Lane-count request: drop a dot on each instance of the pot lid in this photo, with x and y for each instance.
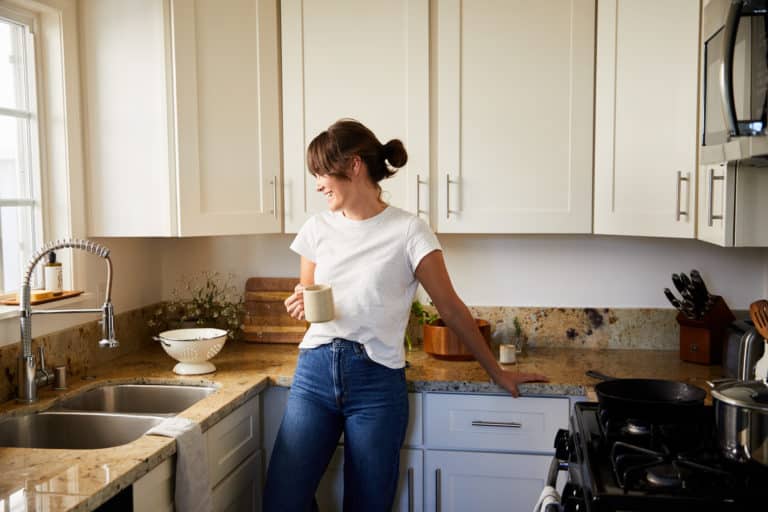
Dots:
(752, 394)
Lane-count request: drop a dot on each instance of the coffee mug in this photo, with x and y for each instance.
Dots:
(318, 303)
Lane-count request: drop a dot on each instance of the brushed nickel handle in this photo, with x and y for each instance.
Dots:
(680, 180)
(410, 489)
(418, 194)
(438, 491)
(273, 182)
(448, 182)
(711, 217)
(507, 424)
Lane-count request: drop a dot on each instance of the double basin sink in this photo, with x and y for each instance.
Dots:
(102, 417)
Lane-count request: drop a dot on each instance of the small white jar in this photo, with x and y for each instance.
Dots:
(507, 354)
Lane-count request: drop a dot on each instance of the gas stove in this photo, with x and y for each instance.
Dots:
(626, 464)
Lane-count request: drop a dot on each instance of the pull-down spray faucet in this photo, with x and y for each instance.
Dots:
(27, 372)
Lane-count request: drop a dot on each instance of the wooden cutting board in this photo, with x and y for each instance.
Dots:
(266, 320)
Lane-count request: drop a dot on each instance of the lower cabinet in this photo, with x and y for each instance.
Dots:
(241, 490)
(503, 482)
(235, 459)
(154, 491)
(463, 452)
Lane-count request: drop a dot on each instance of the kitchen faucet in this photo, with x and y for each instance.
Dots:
(29, 377)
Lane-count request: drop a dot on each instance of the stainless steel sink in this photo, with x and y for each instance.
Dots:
(159, 399)
(72, 430)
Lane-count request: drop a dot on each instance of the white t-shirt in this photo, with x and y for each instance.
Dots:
(370, 266)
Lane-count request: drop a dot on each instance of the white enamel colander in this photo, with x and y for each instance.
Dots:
(193, 348)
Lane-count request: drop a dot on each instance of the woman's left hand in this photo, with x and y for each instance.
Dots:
(509, 380)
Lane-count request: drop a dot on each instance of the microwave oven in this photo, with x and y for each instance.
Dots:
(734, 82)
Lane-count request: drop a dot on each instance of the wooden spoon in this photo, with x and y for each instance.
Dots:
(758, 311)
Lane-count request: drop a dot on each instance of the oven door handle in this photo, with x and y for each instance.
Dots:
(549, 494)
(555, 467)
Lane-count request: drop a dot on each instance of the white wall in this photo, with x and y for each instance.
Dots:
(551, 271)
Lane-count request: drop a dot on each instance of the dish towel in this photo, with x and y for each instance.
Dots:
(549, 496)
(193, 483)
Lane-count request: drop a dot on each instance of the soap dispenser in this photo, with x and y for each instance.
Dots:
(53, 275)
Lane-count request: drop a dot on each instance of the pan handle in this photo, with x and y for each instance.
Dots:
(598, 375)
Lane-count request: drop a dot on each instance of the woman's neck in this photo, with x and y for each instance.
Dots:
(365, 209)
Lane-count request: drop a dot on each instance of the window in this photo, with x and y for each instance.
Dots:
(20, 187)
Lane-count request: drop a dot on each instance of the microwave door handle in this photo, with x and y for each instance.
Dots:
(726, 70)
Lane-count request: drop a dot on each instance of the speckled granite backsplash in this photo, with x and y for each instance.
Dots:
(588, 328)
(78, 348)
(604, 328)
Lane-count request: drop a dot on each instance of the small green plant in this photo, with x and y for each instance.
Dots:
(208, 299)
(518, 328)
(422, 317)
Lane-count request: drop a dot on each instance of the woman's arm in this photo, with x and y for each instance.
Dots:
(295, 303)
(433, 275)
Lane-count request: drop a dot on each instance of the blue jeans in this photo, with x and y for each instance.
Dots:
(337, 388)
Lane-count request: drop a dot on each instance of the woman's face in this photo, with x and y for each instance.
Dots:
(334, 189)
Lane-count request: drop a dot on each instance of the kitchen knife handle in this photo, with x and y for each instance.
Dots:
(711, 217)
(438, 491)
(680, 180)
(507, 424)
(410, 489)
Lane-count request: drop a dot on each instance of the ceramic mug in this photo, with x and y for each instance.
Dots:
(318, 303)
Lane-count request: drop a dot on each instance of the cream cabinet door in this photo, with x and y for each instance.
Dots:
(514, 116)
(363, 60)
(228, 116)
(182, 117)
(645, 117)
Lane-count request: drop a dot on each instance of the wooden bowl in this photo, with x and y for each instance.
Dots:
(441, 342)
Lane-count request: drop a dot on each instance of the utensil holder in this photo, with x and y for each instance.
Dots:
(703, 340)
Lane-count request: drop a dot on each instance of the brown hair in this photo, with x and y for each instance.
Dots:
(330, 151)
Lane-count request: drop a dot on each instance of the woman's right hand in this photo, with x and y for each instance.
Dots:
(294, 304)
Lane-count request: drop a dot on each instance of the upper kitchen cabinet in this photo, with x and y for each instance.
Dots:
(182, 116)
(514, 116)
(363, 60)
(645, 117)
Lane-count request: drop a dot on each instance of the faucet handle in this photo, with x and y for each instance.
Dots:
(42, 357)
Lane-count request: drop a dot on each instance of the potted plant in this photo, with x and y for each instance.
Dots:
(439, 340)
(208, 299)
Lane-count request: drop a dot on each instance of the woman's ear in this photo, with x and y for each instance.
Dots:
(357, 165)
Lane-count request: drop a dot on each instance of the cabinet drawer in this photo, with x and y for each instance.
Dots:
(233, 439)
(494, 423)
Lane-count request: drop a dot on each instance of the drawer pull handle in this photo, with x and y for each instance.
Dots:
(410, 490)
(507, 424)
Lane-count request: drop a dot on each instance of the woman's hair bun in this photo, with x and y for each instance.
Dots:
(394, 152)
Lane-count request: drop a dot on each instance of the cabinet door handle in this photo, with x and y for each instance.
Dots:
(711, 217)
(438, 491)
(410, 489)
(419, 183)
(507, 424)
(273, 182)
(448, 182)
(680, 180)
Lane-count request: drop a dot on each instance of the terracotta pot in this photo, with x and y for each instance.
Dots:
(442, 343)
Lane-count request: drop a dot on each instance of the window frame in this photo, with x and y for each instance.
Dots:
(34, 155)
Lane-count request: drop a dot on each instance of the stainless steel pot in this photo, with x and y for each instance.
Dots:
(741, 414)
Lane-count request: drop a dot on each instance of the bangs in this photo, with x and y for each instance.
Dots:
(324, 156)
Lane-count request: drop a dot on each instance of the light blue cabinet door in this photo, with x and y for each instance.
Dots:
(491, 482)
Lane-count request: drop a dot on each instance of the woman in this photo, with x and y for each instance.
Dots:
(350, 376)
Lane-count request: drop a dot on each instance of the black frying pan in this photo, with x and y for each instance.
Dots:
(648, 399)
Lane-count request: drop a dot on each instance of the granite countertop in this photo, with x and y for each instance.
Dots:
(77, 480)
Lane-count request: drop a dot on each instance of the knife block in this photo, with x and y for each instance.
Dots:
(702, 341)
